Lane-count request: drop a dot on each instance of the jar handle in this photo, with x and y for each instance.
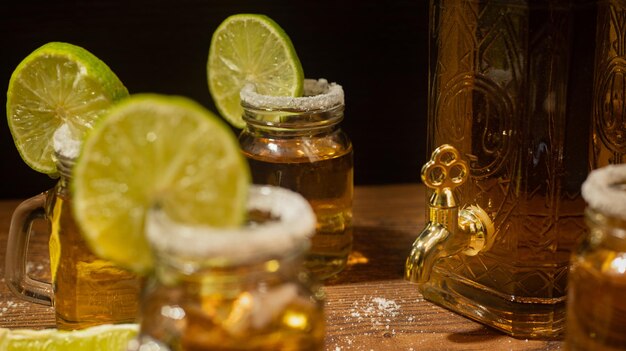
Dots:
(20, 283)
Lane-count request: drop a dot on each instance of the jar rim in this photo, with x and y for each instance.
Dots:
(605, 190)
(294, 224)
(318, 95)
(65, 142)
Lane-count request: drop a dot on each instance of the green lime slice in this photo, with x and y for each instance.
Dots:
(57, 84)
(106, 337)
(155, 150)
(248, 48)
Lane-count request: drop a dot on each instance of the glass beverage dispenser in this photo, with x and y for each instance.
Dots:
(509, 118)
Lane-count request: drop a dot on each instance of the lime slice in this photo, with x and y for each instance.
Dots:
(57, 83)
(248, 48)
(106, 337)
(154, 150)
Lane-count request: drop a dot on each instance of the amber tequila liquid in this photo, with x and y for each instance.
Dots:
(242, 289)
(510, 88)
(596, 307)
(304, 150)
(86, 290)
(596, 315)
(218, 309)
(327, 185)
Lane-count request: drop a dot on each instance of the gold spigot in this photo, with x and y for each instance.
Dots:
(449, 231)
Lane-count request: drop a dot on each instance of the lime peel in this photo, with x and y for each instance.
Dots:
(98, 338)
(154, 150)
(251, 49)
(57, 83)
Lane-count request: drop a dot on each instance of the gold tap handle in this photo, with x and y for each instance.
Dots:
(446, 169)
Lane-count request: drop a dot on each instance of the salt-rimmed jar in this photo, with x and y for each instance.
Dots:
(234, 288)
(85, 290)
(297, 143)
(596, 301)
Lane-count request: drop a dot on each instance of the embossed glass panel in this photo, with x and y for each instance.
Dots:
(510, 87)
(609, 111)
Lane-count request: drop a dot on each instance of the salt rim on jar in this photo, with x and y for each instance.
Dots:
(605, 190)
(65, 142)
(318, 94)
(293, 222)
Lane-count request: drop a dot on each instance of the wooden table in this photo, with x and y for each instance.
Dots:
(369, 306)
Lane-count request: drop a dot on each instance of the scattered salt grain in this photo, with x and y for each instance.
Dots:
(31, 267)
(377, 310)
(383, 314)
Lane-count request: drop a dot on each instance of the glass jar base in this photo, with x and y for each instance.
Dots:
(545, 321)
(325, 266)
(65, 324)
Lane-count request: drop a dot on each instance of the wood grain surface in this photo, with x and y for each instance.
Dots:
(369, 306)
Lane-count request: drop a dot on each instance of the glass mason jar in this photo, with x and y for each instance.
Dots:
(234, 288)
(85, 290)
(510, 87)
(296, 143)
(608, 144)
(596, 302)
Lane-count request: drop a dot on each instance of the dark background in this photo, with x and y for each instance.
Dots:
(376, 49)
